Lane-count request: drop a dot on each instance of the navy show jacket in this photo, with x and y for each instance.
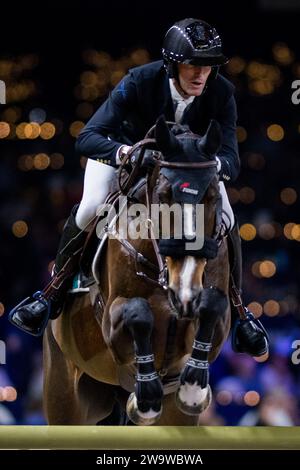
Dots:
(141, 97)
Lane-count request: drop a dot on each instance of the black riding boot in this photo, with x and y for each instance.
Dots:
(248, 334)
(33, 313)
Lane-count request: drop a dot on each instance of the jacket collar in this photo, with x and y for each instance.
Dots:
(166, 107)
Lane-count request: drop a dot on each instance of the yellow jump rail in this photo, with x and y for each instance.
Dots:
(144, 438)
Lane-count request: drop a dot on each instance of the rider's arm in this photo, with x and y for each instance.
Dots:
(94, 141)
(229, 162)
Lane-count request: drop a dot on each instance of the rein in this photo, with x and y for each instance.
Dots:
(187, 166)
(125, 187)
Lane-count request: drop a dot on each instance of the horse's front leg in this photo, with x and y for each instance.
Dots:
(135, 317)
(194, 393)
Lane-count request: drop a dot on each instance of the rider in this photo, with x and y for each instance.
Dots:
(187, 88)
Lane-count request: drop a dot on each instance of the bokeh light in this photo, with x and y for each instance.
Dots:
(47, 130)
(275, 132)
(271, 308)
(140, 56)
(20, 228)
(256, 161)
(247, 195)
(256, 308)
(288, 196)
(4, 130)
(88, 79)
(116, 77)
(295, 232)
(37, 115)
(75, 128)
(267, 268)
(41, 161)
(236, 65)
(282, 54)
(56, 161)
(25, 162)
(266, 231)
(241, 134)
(8, 394)
(224, 397)
(252, 398)
(32, 130)
(2, 309)
(248, 232)
(20, 130)
(263, 78)
(255, 269)
(12, 114)
(287, 230)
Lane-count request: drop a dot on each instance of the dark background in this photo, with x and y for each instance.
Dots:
(58, 33)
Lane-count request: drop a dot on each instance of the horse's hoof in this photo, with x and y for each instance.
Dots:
(138, 417)
(189, 403)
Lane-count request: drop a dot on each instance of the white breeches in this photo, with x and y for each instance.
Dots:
(97, 180)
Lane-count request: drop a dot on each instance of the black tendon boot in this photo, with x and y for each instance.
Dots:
(33, 313)
(248, 334)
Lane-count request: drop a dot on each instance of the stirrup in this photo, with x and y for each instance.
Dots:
(15, 320)
(255, 350)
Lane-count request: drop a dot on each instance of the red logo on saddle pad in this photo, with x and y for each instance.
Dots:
(185, 188)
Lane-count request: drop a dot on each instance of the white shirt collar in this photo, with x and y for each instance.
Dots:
(176, 96)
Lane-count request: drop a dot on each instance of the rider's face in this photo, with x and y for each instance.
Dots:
(192, 78)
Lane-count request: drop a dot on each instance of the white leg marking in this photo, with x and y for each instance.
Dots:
(192, 394)
(148, 414)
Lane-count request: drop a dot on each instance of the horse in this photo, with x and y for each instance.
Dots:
(159, 313)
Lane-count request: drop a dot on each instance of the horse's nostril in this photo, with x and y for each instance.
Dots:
(185, 306)
(187, 309)
(171, 294)
(173, 298)
(197, 300)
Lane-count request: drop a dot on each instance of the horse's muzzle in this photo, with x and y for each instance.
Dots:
(187, 308)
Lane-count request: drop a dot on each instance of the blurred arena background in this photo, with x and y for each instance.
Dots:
(59, 60)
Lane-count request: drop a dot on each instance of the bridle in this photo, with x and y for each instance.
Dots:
(129, 189)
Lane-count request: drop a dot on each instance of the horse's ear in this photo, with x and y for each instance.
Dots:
(165, 140)
(211, 142)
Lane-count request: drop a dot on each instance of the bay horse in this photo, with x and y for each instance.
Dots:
(159, 312)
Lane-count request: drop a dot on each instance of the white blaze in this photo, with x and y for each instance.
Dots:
(186, 277)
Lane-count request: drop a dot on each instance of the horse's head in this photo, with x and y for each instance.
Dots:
(188, 179)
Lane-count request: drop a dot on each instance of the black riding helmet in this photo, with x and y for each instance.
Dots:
(194, 42)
